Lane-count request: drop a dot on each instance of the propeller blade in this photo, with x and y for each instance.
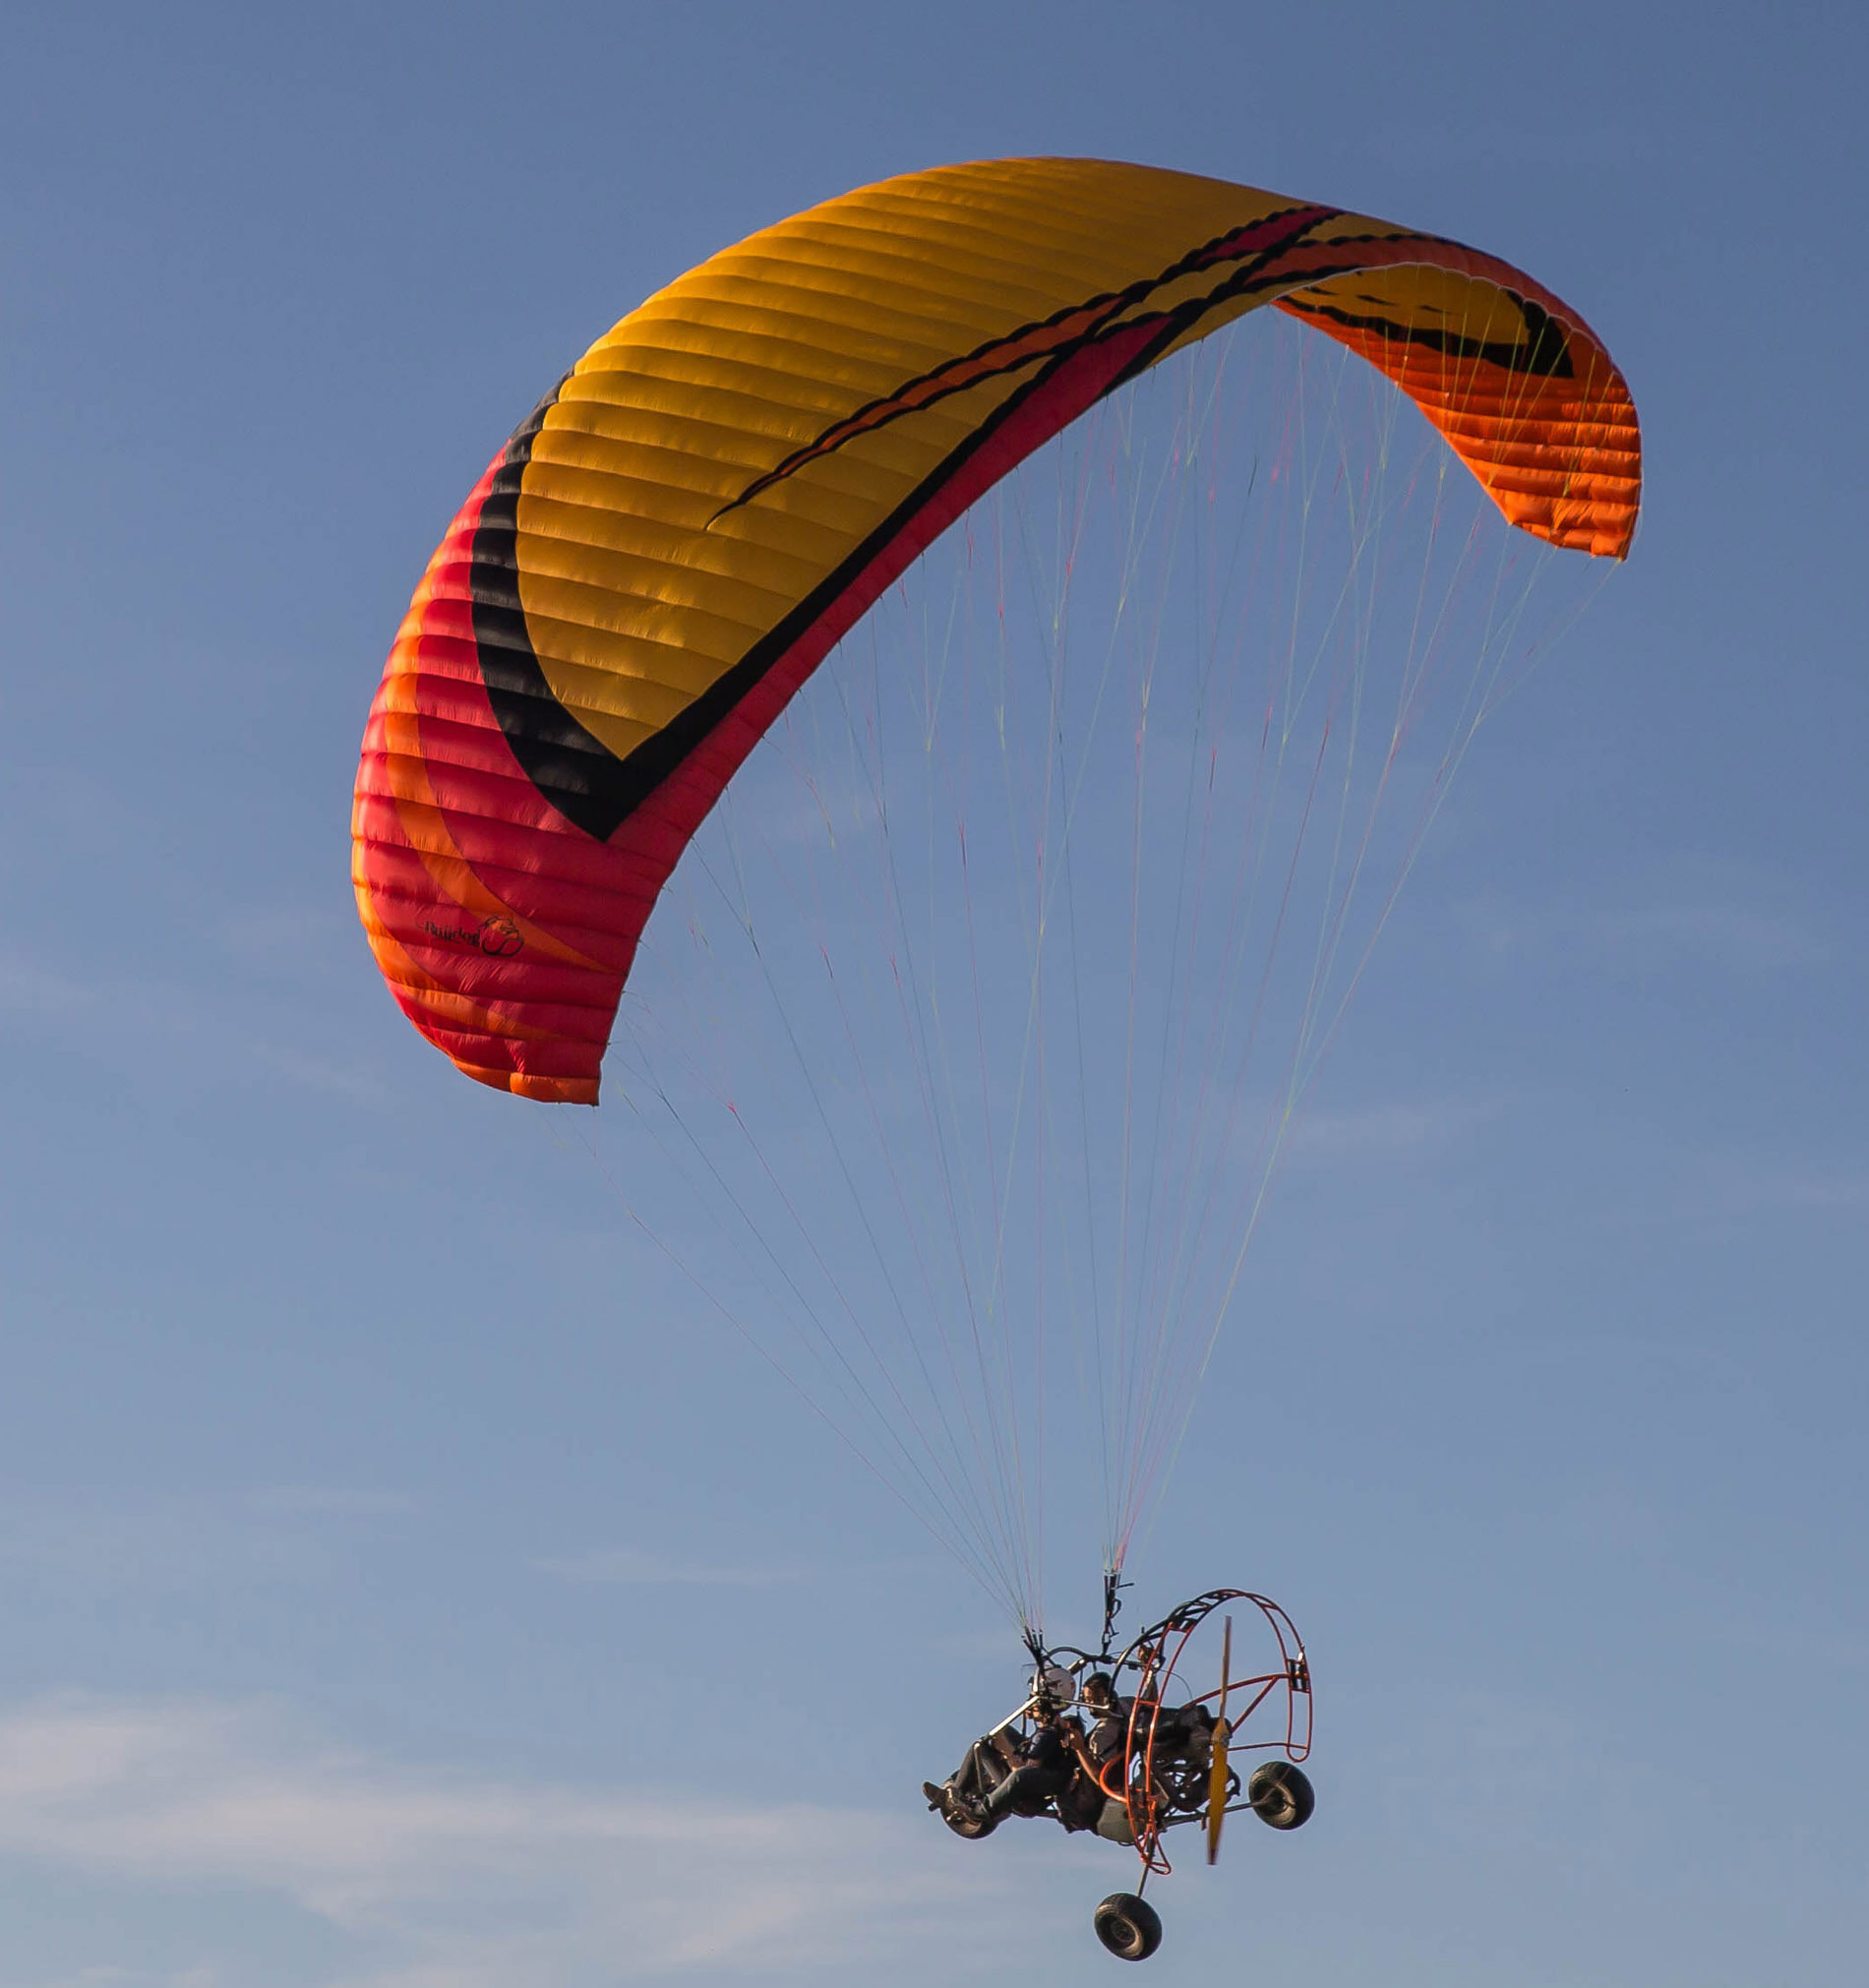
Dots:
(1217, 1795)
(1217, 1780)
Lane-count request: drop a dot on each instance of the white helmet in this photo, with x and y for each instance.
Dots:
(1053, 1681)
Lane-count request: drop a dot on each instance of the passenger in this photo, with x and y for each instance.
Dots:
(1109, 1739)
(1080, 1805)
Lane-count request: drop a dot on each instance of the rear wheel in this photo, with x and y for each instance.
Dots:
(1279, 1795)
(1128, 1926)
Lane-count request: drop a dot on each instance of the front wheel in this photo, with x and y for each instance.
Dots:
(1128, 1926)
(1279, 1795)
(969, 1822)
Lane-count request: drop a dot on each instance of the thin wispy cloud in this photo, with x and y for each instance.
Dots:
(336, 1501)
(154, 1543)
(1843, 1191)
(286, 1533)
(1385, 1130)
(1717, 916)
(156, 1022)
(299, 943)
(632, 1566)
(1735, 1185)
(1523, 1761)
(27, 990)
(444, 1881)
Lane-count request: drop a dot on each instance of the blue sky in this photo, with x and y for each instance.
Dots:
(406, 1587)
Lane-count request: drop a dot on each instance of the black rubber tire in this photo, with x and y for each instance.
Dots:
(973, 1828)
(1280, 1795)
(1128, 1926)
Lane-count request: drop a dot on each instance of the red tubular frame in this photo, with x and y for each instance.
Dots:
(1156, 1653)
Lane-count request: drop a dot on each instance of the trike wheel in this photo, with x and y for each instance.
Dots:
(1279, 1795)
(1128, 1926)
(971, 1824)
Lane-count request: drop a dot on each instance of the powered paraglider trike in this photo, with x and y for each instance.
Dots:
(935, 709)
(1173, 1729)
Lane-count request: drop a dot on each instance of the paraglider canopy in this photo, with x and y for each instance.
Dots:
(685, 527)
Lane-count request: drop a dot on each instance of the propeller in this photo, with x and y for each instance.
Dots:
(1216, 1783)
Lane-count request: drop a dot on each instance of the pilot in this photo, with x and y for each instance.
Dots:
(1049, 1762)
(986, 1763)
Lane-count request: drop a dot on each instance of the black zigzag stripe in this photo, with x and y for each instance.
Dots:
(571, 767)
